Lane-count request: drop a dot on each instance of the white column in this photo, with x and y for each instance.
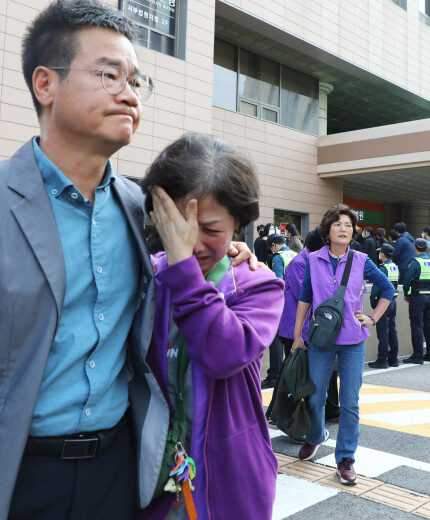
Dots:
(324, 90)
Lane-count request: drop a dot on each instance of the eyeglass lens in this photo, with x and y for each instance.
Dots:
(114, 81)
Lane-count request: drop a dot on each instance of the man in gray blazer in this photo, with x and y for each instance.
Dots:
(76, 283)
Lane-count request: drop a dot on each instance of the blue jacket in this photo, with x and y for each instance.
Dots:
(404, 250)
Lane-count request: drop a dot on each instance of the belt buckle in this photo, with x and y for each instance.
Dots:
(79, 448)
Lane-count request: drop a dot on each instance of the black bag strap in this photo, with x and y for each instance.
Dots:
(340, 293)
(347, 268)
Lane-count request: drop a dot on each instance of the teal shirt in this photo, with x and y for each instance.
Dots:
(84, 386)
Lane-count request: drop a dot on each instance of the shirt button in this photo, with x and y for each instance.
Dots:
(74, 195)
(99, 269)
(94, 222)
(101, 317)
(92, 364)
(87, 412)
(54, 191)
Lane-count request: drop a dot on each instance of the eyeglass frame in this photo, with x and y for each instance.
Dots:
(135, 89)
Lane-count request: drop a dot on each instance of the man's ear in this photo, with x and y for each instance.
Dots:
(43, 79)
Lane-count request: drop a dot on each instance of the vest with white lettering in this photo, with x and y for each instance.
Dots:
(422, 284)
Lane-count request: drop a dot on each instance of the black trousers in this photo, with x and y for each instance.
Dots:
(100, 488)
(419, 316)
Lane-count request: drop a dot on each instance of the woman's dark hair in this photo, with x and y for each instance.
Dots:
(292, 229)
(51, 39)
(314, 240)
(369, 229)
(393, 234)
(200, 166)
(380, 232)
(267, 228)
(333, 215)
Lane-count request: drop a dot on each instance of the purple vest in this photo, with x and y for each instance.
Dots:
(293, 278)
(325, 284)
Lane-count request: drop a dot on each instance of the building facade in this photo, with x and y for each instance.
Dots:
(329, 97)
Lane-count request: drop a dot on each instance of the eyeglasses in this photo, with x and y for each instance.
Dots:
(114, 80)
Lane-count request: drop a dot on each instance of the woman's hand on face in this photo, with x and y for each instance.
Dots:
(298, 343)
(178, 234)
(241, 252)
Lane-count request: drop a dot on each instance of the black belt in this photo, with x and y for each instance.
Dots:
(76, 446)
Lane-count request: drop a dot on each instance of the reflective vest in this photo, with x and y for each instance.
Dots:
(392, 275)
(422, 284)
(286, 256)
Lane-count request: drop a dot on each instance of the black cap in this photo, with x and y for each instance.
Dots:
(387, 249)
(421, 244)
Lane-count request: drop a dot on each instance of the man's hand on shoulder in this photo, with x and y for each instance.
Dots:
(241, 252)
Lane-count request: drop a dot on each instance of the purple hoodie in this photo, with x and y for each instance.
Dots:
(293, 278)
(325, 284)
(227, 330)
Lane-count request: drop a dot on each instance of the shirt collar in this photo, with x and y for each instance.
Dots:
(55, 180)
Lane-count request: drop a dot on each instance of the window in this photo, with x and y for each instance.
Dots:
(424, 11)
(253, 85)
(259, 86)
(225, 75)
(299, 101)
(401, 3)
(157, 21)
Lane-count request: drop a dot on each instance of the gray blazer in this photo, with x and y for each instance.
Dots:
(32, 286)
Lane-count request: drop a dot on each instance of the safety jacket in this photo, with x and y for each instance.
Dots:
(286, 256)
(392, 275)
(422, 284)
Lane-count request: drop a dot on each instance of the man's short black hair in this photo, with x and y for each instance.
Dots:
(426, 229)
(400, 227)
(277, 239)
(260, 226)
(51, 39)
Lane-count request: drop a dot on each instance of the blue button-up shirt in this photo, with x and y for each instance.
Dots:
(84, 386)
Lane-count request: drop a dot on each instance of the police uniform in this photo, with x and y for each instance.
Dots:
(286, 255)
(416, 285)
(388, 346)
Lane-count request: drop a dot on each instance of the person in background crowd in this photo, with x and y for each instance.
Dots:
(324, 266)
(393, 236)
(380, 237)
(154, 243)
(295, 243)
(403, 249)
(266, 255)
(416, 290)
(281, 255)
(259, 244)
(369, 244)
(388, 346)
(426, 234)
(219, 320)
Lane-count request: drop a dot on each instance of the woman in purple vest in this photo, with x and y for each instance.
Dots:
(200, 192)
(323, 274)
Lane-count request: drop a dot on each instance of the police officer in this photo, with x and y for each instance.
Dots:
(282, 254)
(388, 347)
(281, 257)
(416, 287)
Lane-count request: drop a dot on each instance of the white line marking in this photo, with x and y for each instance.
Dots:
(398, 397)
(401, 418)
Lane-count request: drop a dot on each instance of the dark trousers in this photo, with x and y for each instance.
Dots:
(275, 358)
(388, 347)
(100, 488)
(419, 316)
